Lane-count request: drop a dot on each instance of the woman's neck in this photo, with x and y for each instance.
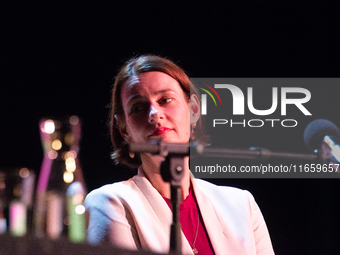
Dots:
(151, 167)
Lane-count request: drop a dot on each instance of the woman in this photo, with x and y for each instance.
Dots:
(153, 99)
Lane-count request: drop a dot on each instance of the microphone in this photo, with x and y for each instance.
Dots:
(323, 135)
(195, 150)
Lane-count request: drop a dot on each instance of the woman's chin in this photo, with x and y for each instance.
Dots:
(167, 139)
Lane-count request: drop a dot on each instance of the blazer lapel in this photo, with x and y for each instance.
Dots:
(222, 240)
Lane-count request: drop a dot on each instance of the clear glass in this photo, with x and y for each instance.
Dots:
(60, 188)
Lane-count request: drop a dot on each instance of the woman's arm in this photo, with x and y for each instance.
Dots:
(260, 230)
(109, 222)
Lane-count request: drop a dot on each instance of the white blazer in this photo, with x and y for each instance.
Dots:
(133, 215)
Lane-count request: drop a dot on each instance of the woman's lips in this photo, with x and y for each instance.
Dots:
(160, 131)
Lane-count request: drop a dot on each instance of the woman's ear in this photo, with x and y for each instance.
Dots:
(194, 109)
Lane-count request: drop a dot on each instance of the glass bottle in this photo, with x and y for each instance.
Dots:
(16, 198)
(60, 171)
(21, 184)
(3, 203)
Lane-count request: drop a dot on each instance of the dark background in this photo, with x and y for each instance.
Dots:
(60, 58)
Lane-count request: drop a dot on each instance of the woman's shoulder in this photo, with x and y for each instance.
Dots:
(217, 188)
(113, 191)
(228, 193)
(235, 203)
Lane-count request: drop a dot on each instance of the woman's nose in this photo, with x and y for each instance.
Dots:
(153, 114)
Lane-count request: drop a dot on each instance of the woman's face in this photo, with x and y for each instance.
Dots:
(155, 108)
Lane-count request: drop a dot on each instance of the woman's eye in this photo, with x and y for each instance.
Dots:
(136, 108)
(166, 100)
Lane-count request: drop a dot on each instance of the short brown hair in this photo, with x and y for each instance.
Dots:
(134, 67)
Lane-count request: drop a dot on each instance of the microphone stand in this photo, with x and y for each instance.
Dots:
(172, 171)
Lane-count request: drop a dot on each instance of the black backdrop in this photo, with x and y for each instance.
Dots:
(60, 58)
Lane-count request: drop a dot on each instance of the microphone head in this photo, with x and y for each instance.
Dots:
(317, 130)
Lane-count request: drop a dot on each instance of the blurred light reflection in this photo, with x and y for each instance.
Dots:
(68, 177)
(49, 126)
(56, 144)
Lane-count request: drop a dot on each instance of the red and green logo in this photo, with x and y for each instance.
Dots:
(204, 97)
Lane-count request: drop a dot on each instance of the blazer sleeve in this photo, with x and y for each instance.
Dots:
(261, 235)
(109, 222)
